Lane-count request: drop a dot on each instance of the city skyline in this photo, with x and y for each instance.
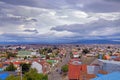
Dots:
(60, 21)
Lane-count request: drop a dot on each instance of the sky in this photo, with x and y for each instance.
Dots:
(59, 21)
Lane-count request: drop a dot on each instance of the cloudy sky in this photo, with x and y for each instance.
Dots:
(59, 21)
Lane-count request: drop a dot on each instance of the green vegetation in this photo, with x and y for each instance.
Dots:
(11, 77)
(11, 67)
(85, 51)
(31, 75)
(64, 68)
(10, 55)
(25, 67)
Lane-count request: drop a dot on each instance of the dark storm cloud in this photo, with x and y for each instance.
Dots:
(86, 29)
(50, 4)
(20, 20)
(102, 7)
(113, 0)
(28, 30)
(91, 6)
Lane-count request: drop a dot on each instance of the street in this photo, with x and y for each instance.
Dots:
(55, 75)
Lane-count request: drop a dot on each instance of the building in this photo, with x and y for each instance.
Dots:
(109, 65)
(79, 71)
(74, 70)
(37, 66)
(24, 53)
(75, 54)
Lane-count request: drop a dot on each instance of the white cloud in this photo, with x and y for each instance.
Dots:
(63, 33)
(20, 18)
(107, 16)
(80, 14)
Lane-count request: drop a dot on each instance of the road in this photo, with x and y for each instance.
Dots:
(54, 75)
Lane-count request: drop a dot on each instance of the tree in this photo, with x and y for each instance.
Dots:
(64, 68)
(10, 55)
(31, 75)
(25, 57)
(11, 67)
(25, 67)
(85, 51)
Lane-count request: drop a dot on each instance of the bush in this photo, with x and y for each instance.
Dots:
(64, 68)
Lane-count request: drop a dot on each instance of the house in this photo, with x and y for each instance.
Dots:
(79, 71)
(109, 65)
(75, 54)
(37, 66)
(45, 66)
(16, 63)
(74, 70)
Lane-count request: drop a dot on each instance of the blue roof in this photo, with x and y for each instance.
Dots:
(99, 75)
(3, 76)
(111, 76)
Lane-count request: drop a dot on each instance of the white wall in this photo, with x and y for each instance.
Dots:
(37, 66)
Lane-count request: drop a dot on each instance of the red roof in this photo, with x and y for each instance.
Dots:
(6, 63)
(75, 53)
(16, 63)
(74, 71)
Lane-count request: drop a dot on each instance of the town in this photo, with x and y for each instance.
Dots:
(60, 62)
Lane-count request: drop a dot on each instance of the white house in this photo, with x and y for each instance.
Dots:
(37, 66)
(75, 54)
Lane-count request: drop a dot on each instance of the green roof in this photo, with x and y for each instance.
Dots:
(51, 61)
(22, 53)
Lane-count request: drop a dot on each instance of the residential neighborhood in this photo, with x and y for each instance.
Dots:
(61, 62)
(59, 39)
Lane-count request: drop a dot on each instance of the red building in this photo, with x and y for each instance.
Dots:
(75, 69)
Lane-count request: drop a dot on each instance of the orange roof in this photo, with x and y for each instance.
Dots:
(74, 71)
(107, 57)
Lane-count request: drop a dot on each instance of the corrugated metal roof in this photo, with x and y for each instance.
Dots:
(108, 61)
(111, 76)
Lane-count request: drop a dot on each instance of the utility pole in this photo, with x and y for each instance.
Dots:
(21, 72)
